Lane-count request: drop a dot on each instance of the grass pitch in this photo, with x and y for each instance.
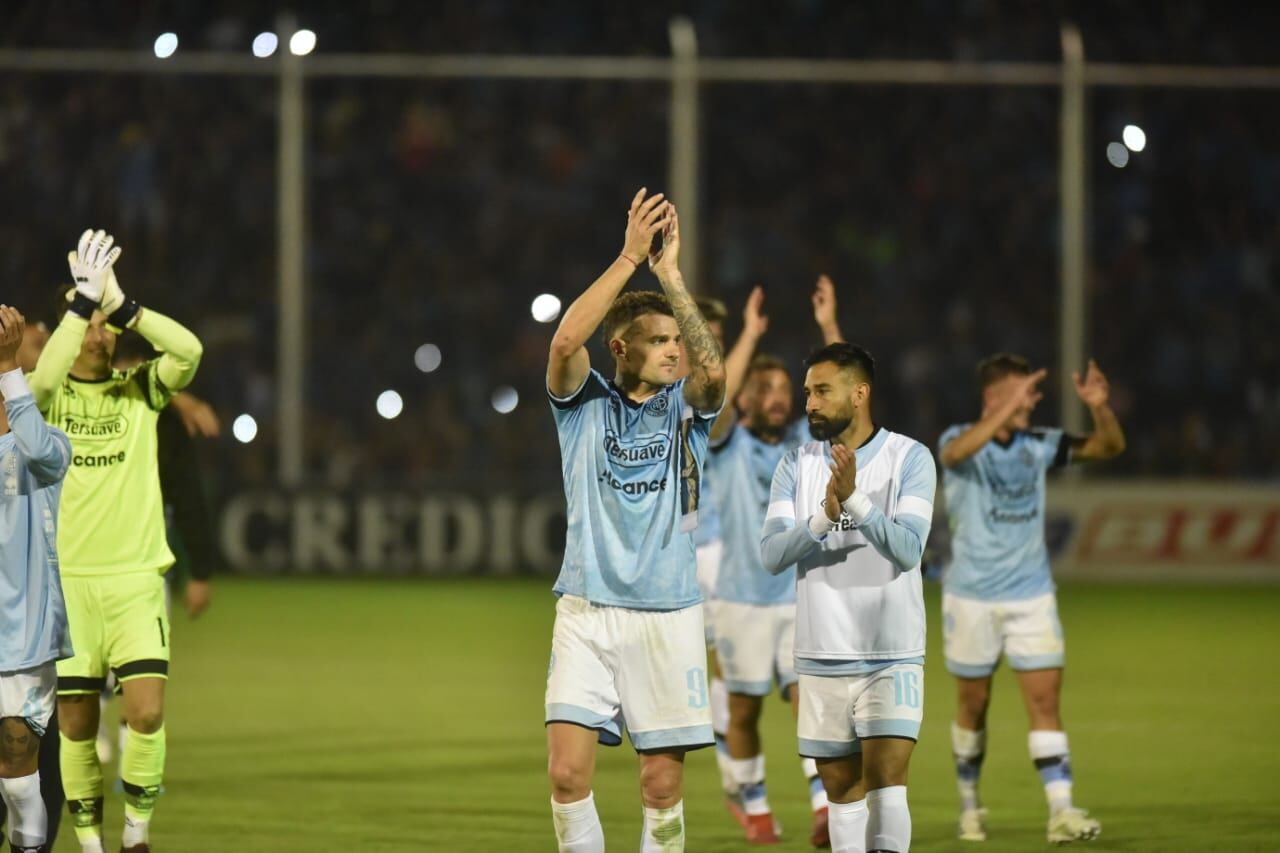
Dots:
(375, 715)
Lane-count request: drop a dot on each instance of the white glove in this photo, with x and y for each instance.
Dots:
(92, 262)
(112, 297)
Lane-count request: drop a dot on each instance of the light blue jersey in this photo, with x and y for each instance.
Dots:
(709, 528)
(995, 503)
(632, 482)
(743, 465)
(33, 460)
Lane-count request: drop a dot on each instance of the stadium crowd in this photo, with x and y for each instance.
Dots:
(437, 211)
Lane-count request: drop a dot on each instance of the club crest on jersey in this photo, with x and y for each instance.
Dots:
(656, 405)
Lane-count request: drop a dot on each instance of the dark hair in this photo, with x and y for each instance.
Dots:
(712, 310)
(847, 356)
(993, 368)
(627, 307)
(764, 362)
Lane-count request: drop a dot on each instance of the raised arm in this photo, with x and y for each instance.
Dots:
(46, 451)
(91, 264)
(704, 389)
(754, 325)
(57, 357)
(969, 442)
(180, 349)
(568, 362)
(824, 310)
(1107, 439)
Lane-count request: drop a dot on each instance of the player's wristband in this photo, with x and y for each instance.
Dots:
(13, 385)
(635, 264)
(124, 316)
(859, 506)
(82, 306)
(820, 525)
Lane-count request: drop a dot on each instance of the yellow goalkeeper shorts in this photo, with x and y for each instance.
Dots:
(118, 623)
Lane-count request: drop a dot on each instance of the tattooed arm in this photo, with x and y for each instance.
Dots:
(704, 389)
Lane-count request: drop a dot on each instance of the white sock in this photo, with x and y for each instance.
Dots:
(135, 832)
(748, 773)
(968, 748)
(889, 821)
(847, 823)
(817, 793)
(1053, 762)
(28, 821)
(94, 846)
(719, 697)
(663, 830)
(578, 826)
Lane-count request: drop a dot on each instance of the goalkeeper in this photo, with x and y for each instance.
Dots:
(111, 536)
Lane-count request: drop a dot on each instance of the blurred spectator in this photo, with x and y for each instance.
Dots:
(438, 209)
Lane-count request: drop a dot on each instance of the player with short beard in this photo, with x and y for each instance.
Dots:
(852, 511)
(754, 609)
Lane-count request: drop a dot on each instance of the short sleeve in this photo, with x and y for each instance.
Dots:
(719, 446)
(1053, 448)
(567, 409)
(947, 437)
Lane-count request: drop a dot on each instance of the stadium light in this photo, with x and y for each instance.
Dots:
(265, 44)
(505, 399)
(302, 42)
(1134, 137)
(244, 428)
(390, 404)
(1117, 155)
(426, 357)
(166, 44)
(545, 308)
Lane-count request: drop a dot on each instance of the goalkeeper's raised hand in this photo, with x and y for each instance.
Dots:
(91, 263)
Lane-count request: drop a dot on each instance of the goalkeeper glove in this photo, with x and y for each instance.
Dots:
(121, 311)
(90, 264)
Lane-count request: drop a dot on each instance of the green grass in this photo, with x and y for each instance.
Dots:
(398, 715)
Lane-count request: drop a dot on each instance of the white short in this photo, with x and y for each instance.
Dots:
(837, 712)
(642, 669)
(707, 558)
(976, 633)
(30, 694)
(755, 645)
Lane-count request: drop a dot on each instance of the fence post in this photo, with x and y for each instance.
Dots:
(1072, 327)
(682, 179)
(291, 237)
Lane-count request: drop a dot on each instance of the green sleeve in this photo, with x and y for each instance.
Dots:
(181, 350)
(56, 359)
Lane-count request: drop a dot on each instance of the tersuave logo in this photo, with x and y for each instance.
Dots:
(638, 488)
(654, 448)
(94, 429)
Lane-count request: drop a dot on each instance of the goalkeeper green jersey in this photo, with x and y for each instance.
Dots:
(111, 519)
(112, 514)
